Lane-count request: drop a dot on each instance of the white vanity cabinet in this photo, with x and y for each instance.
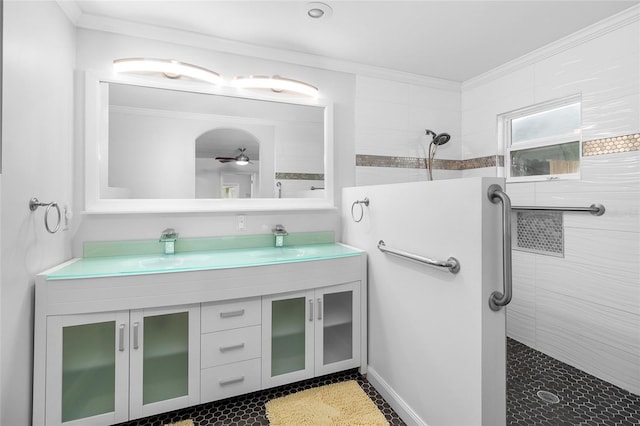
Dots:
(231, 348)
(113, 348)
(310, 333)
(105, 368)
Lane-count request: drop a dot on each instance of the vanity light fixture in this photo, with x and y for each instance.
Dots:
(317, 10)
(276, 84)
(168, 67)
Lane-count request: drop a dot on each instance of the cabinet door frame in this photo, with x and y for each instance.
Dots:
(136, 407)
(269, 381)
(354, 361)
(53, 391)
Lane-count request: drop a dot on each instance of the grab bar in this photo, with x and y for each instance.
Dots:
(594, 209)
(497, 300)
(452, 264)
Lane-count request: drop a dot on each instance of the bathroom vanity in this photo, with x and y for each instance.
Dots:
(119, 338)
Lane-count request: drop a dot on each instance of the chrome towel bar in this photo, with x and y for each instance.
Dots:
(497, 300)
(452, 264)
(594, 209)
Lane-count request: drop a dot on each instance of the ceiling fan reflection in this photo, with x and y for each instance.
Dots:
(241, 159)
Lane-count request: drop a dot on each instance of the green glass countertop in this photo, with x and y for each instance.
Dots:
(111, 266)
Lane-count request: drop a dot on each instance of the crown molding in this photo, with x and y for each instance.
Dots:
(71, 9)
(599, 29)
(186, 38)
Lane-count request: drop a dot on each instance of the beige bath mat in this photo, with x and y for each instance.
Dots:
(188, 422)
(338, 404)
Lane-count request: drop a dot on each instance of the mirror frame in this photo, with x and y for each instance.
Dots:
(94, 134)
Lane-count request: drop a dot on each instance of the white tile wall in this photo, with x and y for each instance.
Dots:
(391, 119)
(482, 104)
(481, 172)
(583, 309)
(599, 340)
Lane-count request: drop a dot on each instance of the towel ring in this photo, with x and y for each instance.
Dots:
(360, 203)
(34, 203)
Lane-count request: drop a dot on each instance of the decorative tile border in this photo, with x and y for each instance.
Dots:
(626, 143)
(420, 163)
(613, 145)
(299, 176)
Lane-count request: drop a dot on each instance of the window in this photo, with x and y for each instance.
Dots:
(543, 142)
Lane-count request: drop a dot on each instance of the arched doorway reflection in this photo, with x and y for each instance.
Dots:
(227, 164)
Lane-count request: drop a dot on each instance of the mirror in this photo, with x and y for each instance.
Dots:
(154, 147)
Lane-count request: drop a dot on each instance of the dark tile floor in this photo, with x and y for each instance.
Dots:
(583, 400)
(249, 409)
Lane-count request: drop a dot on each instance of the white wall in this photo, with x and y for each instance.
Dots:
(96, 51)
(584, 308)
(391, 119)
(39, 56)
(436, 350)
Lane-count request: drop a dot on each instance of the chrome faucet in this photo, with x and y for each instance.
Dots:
(169, 237)
(279, 232)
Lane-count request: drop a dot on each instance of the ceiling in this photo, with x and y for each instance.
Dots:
(453, 40)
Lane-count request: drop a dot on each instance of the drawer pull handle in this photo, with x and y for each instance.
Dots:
(232, 347)
(231, 381)
(230, 314)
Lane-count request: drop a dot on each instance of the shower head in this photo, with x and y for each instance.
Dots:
(439, 139)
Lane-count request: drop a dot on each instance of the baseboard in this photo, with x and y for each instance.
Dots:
(395, 401)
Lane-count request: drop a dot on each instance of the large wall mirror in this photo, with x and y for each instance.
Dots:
(165, 147)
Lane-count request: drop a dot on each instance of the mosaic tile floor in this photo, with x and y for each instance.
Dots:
(249, 409)
(584, 400)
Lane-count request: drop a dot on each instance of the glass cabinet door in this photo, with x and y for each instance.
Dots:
(287, 350)
(164, 371)
(87, 371)
(337, 330)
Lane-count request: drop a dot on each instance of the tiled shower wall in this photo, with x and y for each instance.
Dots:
(390, 122)
(583, 308)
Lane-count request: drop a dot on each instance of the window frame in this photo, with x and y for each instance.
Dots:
(504, 136)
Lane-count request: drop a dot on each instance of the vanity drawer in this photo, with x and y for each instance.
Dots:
(225, 347)
(226, 315)
(230, 380)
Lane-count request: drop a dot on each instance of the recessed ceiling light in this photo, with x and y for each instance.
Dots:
(317, 10)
